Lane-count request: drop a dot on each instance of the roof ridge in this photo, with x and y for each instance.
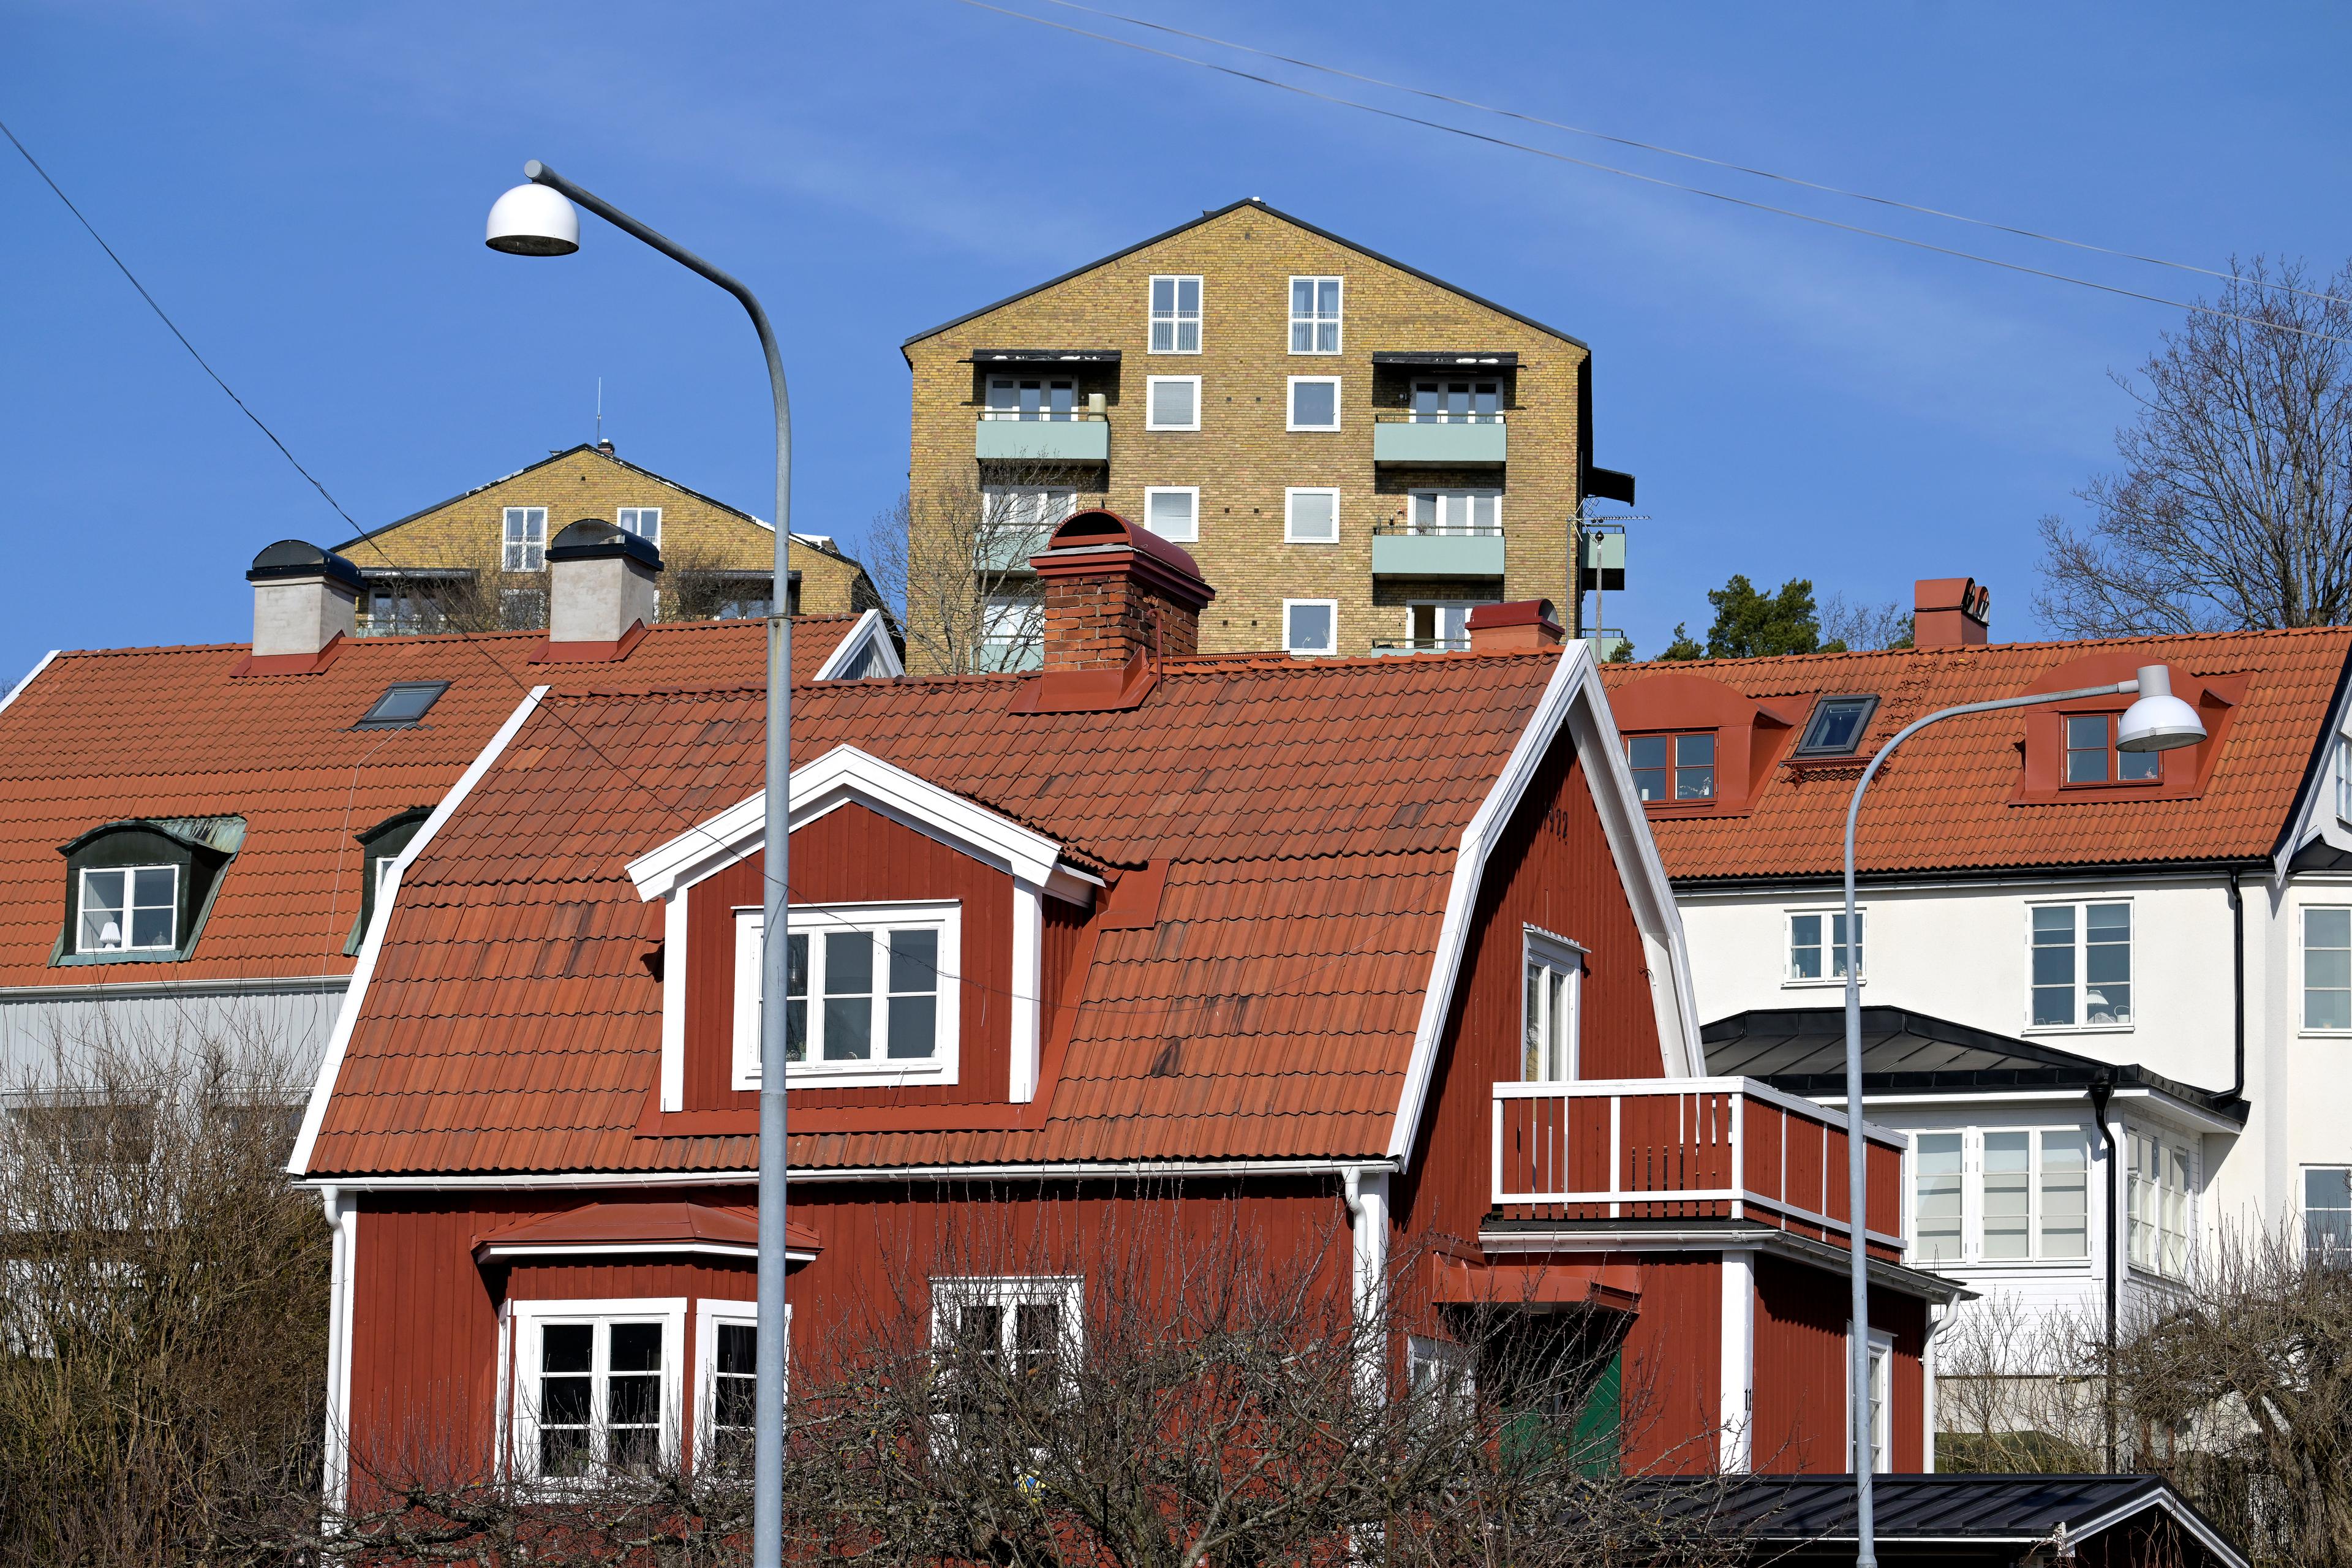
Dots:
(1981, 650)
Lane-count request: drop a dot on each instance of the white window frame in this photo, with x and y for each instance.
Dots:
(1544, 950)
(2344, 779)
(129, 875)
(1441, 1372)
(1332, 652)
(1827, 914)
(1290, 406)
(1192, 493)
(1437, 621)
(2172, 1248)
(1469, 495)
(709, 1313)
(2304, 986)
(1012, 413)
(532, 552)
(632, 520)
(2082, 908)
(529, 1320)
(1972, 1195)
(1151, 401)
(1174, 317)
(815, 920)
(2303, 1206)
(1011, 1291)
(1882, 1400)
(1290, 495)
(1338, 321)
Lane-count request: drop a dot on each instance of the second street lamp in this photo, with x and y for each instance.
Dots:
(538, 219)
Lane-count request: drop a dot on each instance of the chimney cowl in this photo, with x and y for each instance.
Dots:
(303, 599)
(1951, 612)
(602, 582)
(1507, 627)
(1117, 594)
(594, 538)
(604, 444)
(294, 558)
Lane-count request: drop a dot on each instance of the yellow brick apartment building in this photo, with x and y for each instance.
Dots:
(1356, 453)
(477, 562)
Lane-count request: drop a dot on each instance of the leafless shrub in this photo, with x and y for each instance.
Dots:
(701, 582)
(162, 1329)
(1860, 626)
(2020, 1392)
(955, 556)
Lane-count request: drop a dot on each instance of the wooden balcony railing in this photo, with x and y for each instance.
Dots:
(1688, 1148)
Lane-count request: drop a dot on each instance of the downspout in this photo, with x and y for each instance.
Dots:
(2101, 1088)
(1368, 1223)
(2238, 981)
(336, 1478)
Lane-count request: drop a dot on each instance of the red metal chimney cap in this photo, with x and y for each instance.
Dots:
(1100, 526)
(1516, 613)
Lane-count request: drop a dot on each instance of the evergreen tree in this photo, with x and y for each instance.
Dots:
(1751, 624)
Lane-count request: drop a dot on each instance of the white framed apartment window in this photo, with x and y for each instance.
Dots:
(1457, 512)
(2000, 1195)
(1171, 403)
(1457, 403)
(2161, 1203)
(1315, 314)
(1049, 399)
(1016, 521)
(1175, 315)
(871, 993)
(1310, 626)
(2082, 965)
(1173, 511)
(1314, 403)
(525, 538)
(596, 1385)
(1012, 630)
(2328, 970)
(1440, 625)
(1818, 948)
(645, 522)
(726, 1377)
(1881, 1398)
(1310, 514)
(1549, 1001)
(2344, 778)
(2327, 1214)
(129, 908)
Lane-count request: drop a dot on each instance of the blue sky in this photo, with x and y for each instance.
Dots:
(304, 187)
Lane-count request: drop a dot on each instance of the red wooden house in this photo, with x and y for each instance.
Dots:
(1371, 952)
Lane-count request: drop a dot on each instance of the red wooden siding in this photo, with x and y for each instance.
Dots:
(1799, 1421)
(1674, 1365)
(849, 856)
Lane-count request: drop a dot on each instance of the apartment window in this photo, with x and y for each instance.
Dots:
(1016, 521)
(1938, 1207)
(1672, 767)
(1050, 398)
(1171, 403)
(1547, 1013)
(129, 908)
(1457, 403)
(1315, 315)
(1173, 511)
(1457, 512)
(1818, 947)
(1836, 726)
(645, 522)
(2327, 1214)
(1882, 1390)
(1310, 626)
(597, 1383)
(1012, 631)
(2163, 1182)
(870, 993)
(2002, 1195)
(1314, 403)
(1310, 515)
(522, 609)
(1440, 627)
(1175, 315)
(2082, 966)
(526, 539)
(2327, 969)
(2092, 757)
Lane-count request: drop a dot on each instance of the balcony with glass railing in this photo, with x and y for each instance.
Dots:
(1041, 420)
(1448, 428)
(1416, 549)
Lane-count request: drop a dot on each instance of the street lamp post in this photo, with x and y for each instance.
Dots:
(537, 219)
(2158, 722)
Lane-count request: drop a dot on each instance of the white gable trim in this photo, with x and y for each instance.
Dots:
(2308, 822)
(1572, 700)
(387, 897)
(842, 775)
(30, 675)
(870, 632)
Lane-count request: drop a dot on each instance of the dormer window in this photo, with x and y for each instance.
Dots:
(2092, 757)
(137, 891)
(129, 908)
(1836, 726)
(1672, 768)
(870, 994)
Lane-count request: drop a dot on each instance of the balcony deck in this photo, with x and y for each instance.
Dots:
(1056, 440)
(1414, 441)
(1405, 552)
(1687, 1149)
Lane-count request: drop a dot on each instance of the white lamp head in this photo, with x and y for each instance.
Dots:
(2158, 722)
(531, 220)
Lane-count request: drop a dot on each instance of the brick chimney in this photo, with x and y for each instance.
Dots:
(1506, 628)
(1115, 594)
(601, 582)
(1951, 612)
(303, 599)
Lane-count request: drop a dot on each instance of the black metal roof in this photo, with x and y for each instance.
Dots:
(1508, 360)
(1043, 356)
(1803, 1051)
(1938, 1511)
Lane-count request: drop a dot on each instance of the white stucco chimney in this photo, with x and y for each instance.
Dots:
(303, 597)
(601, 581)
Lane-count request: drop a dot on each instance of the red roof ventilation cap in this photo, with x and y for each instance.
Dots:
(1520, 624)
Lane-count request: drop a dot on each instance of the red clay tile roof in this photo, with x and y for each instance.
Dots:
(104, 736)
(1944, 801)
(1310, 809)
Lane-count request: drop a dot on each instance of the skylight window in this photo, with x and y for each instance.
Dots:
(1836, 727)
(403, 704)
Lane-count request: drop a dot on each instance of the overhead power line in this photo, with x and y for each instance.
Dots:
(1559, 157)
(1677, 152)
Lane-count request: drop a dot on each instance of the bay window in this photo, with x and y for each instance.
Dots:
(2000, 1195)
(870, 994)
(2163, 1186)
(727, 1354)
(596, 1385)
(2081, 958)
